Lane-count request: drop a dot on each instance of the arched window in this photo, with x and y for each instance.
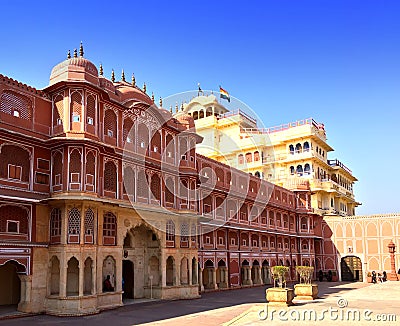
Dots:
(89, 226)
(307, 169)
(183, 148)
(299, 170)
(143, 138)
(169, 192)
(55, 225)
(142, 186)
(291, 149)
(75, 166)
(74, 225)
(292, 170)
(76, 109)
(109, 229)
(156, 142)
(156, 187)
(170, 147)
(91, 110)
(170, 233)
(110, 124)
(298, 148)
(128, 131)
(240, 159)
(57, 171)
(306, 146)
(256, 156)
(110, 179)
(90, 171)
(129, 182)
(58, 110)
(249, 157)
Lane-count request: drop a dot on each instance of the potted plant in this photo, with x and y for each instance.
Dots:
(369, 277)
(280, 294)
(305, 290)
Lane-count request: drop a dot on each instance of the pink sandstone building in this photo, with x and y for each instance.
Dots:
(98, 183)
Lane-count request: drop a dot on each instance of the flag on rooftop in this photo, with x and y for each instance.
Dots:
(224, 94)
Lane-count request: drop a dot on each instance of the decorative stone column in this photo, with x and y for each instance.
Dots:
(81, 278)
(249, 275)
(214, 278)
(260, 280)
(200, 277)
(190, 281)
(25, 304)
(392, 275)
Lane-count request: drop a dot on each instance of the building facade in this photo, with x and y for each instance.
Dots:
(103, 197)
(293, 155)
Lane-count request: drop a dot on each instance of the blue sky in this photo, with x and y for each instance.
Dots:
(336, 61)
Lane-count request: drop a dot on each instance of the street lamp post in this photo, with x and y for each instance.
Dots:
(393, 274)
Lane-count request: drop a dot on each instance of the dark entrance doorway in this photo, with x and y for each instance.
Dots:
(10, 293)
(128, 279)
(351, 268)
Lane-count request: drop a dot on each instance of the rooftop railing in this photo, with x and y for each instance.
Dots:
(336, 162)
(237, 112)
(286, 126)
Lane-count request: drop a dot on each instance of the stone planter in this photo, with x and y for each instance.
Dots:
(280, 296)
(369, 279)
(306, 291)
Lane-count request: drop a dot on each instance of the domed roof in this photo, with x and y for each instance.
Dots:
(77, 68)
(129, 93)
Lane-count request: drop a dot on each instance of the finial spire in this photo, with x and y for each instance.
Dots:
(123, 75)
(112, 76)
(152, 96)
(133, 80)
(170, 108)
(182, 106)
(69, 54)
(160, 102)
(176, 107)
(144, 87)
(81, 50)
(101, 70)
(75, 53)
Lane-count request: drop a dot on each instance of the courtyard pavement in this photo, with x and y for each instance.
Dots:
(338, 302)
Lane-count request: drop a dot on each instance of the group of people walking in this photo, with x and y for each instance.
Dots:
(379, 278)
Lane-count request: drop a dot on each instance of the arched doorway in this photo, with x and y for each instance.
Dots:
(351, 269)
(141, 270)
(127, 279)
(10, 293)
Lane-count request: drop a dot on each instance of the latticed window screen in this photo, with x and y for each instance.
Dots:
(91, 107)
(193, 231)
(129, 181)
(74, 221)
(184, 232)
(11, 101)
(110, 123)
(13, 213)
(127, 131)
(170, 230)
(156, 186)
(89, 222)
(109, 225)
(142, 184)
(15, 156)
(57, 169)
(76, 104)
(75, 162)
(90, 163)
(55, 222)
(110, 177)
(58, 114)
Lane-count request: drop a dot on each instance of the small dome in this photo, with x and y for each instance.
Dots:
(77, 68)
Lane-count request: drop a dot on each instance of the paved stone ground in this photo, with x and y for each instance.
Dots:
(242, 307)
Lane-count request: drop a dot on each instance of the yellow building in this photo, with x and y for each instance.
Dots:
(293, 155)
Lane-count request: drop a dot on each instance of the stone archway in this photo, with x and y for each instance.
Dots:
(141, 265)
(351, 269)
(10, 293)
